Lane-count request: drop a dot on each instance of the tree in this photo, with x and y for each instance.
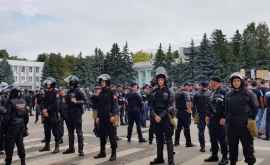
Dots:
(6, 74)
(53, 67)
(236, 47)
(263, 46)
(141, 56)
(160, 58)
(42, 57)
(221, 51)
(248, 52)
(4, 54)
(206, 64)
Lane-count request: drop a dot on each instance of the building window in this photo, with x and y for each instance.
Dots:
(30, 69)
(37, 69)
(16, 78)
(23, 69)
(15, 69)
(22, 78)
(30, 79)
(37, 78)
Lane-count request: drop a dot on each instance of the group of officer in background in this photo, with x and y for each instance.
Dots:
(229, 112)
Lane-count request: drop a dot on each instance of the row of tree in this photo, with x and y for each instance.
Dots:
(117, 63)
(220, 56)
(215, 56)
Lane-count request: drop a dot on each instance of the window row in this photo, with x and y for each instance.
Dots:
(24, 69)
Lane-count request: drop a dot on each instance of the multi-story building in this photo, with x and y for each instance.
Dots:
(27, 74)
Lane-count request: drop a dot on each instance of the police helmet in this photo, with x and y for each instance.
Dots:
(49, 81)
(161, 73)
(239, 76)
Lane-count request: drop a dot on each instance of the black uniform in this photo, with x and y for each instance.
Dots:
(134, 108)
(52, 122)
(240, 107)
(2, 115)
(62, 105)
(201, 104)
(14, 127)
(216, 131)
(161, 104)
(184, 117)
(106, 108)
(122, 106)
(74, 117)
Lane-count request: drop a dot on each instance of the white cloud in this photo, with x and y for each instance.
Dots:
(72, 26)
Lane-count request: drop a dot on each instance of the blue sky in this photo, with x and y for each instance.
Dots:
(30, 27)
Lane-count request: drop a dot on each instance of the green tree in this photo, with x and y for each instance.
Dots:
(6, 74)
(263, 46)
(235, 48)
(160, 58)
(221, 51)
(206, 64)
(248, 52)
(4, 54)
(141, 56)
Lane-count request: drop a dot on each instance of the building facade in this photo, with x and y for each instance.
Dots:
(27, 74)
(144, 72)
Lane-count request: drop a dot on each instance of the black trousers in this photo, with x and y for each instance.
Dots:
(164, 132)
(201, 130)
(111, 133)
(184, 121)
(218, 137)
(134, 116)
(236, 134)
(52, 127)
(14, 136)
(75, 124)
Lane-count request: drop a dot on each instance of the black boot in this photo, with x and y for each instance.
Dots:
(142, 140)
(102, 153)
(80, 146)
(188, 138)
(171, 152)
(157, 161)
(202, 149)
(113, 156)
(69, 151)
(212, 158)
(8, 161)
(45, 148)
(223, 161)
(56, 149)
(177, 137)
(23, 161)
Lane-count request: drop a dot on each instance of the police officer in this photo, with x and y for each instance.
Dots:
(215, 118)
(201, 103)
(75, 103)
(134, 108)
(184, 111)
(241, 108)
(51, 116)
(62, 105)
(3, 110)
(106, 117)
(161, 107)
(122, 104)
(14, 125)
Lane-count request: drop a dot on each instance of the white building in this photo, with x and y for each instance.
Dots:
(145, 69)
(27, 74)
(144, 72)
